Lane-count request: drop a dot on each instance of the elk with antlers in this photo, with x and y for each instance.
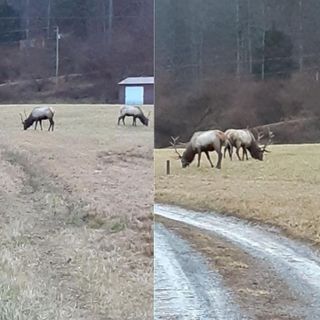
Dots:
(245, 139)
(37, 115)
(201, 141)
(135, 112)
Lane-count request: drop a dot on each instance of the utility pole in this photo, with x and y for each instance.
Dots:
(58, 37)
(110, 22)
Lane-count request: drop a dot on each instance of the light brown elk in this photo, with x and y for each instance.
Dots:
(201, 141)
(37, 115)
(243, 138)
(135, 112)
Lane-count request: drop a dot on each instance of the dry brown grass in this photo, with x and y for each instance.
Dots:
(75, 231)
(283, 190)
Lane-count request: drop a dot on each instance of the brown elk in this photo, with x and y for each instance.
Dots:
(243, 138)
(202, 141)
(135, 112)
(37, 115)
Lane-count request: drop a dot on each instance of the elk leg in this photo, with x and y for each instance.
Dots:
(225, 150)
(237, 152)
(41, 124)
(230, 152)
(208, 157)
(218, 166)
(119, 119)
(123, 120)
(199, 158)
(245, 153)
(51, 125)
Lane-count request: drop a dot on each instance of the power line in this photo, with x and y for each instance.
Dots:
(73, 18)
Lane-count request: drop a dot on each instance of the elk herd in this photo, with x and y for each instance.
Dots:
(46, 113)
(215, 140)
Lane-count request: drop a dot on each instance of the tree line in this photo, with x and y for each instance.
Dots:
(235, 63)
(106, 38)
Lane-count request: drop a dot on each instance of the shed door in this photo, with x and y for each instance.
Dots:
(134, 95)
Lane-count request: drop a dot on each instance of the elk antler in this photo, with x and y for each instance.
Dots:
(174, 145)
(25, 113)
(148, 115)
(21, 118)
(270, 137)
(260, 136)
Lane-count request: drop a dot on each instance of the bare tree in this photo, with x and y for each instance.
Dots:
(238, 28)
(110, 23)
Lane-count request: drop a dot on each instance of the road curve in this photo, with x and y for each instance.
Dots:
(184, 287)
(295, 263)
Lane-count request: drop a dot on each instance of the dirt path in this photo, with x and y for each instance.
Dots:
(271, 277)
(185, 288)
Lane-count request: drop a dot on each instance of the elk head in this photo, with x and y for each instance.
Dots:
(23, 121)
(269, 141)
(184, 161)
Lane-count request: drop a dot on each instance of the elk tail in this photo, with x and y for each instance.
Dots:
(52, 110)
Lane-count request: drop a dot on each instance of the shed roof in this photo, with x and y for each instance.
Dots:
(137, 80)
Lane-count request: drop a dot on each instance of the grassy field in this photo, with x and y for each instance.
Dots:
(75, 230)
(283, 190)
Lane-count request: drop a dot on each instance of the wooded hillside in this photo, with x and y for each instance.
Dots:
(236, 63)
(101, 41)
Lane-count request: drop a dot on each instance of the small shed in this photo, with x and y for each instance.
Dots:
(136, 90)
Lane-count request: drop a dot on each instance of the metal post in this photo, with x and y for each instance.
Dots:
(168, 166)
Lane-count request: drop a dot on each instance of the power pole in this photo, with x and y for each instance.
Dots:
(58, 37)
(110, 22)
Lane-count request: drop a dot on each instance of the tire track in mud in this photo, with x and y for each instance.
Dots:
(184, 287)
(32, 232)
(295, 263)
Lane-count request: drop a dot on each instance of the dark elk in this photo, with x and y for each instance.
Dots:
(202, 141)
(135, 112)
(37, 115)
(244, 138)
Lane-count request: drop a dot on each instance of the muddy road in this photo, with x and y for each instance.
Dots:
(75, 232)
(184, 284)
(266, 275)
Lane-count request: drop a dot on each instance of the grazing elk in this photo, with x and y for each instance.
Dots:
(135, 112)
(202, 141)
(244, 139)
(37, 115)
